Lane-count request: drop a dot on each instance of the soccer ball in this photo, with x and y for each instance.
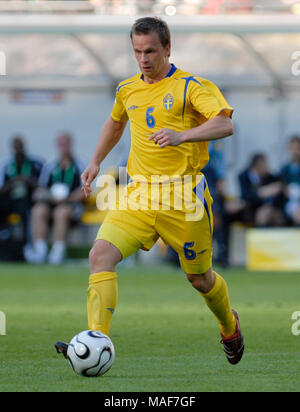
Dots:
(91, 353)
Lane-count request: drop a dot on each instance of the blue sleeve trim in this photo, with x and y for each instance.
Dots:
(187, 82)
(122, 85)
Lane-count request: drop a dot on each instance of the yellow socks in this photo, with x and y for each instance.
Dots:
(218, 302)
(102, 300)
(103, 297)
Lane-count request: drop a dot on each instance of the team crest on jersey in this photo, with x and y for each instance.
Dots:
(168, 101)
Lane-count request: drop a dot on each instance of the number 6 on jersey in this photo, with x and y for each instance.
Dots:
(150, 119)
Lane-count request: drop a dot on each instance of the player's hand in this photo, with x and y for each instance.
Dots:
(87, 178)
(166, 137)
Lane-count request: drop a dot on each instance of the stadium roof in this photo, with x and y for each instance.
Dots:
(91, 50)
(64, 24)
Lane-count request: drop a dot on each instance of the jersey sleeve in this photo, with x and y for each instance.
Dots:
(119, 113)
(206, 98)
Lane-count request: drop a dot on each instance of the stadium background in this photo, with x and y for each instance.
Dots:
(80, 58)
(63, 61)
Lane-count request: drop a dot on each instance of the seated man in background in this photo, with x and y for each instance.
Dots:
(225, 210)
(58, 199)
(18, 179)
(215, 176)
(262, 193)
(290, 175)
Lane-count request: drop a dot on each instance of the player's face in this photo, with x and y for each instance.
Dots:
(151, 56)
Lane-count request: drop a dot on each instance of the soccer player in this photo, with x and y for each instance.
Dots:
(173, 115)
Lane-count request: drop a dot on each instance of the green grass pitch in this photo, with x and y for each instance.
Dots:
(165, 337)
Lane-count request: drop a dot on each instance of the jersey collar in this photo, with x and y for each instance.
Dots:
(172, 71)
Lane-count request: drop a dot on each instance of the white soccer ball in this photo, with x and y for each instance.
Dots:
(91, 353)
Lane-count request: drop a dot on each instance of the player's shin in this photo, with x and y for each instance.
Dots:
(218, 302)
(102, 300)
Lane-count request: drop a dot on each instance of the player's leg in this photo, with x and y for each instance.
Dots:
(192, 240)
(111, 246)
(103, 286)
(214, 290)
(122, 234)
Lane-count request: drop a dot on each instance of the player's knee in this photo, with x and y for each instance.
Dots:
(104, 257)
(202, 282)
(197, 281)
(95, 255)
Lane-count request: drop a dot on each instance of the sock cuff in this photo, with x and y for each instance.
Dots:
(219, 282)
(101, 277)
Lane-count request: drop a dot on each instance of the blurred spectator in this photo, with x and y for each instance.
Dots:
(214, 173)
(290, 175)
(262, 192)
(225, 210)
(18, 178)
(59, 199)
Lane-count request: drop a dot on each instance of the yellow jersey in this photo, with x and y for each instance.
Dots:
(179, 102)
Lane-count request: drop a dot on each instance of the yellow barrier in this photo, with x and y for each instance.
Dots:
(273, 249)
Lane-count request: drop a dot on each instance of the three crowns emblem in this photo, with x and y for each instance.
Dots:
(168, 101)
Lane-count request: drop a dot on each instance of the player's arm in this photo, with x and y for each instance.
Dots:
(213, 129)
(110, 135)
(217, 128)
